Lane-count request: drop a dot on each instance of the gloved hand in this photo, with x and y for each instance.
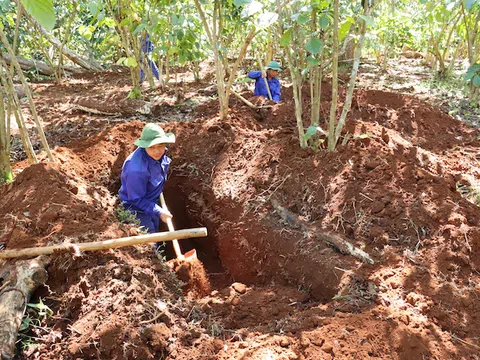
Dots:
(264, 74)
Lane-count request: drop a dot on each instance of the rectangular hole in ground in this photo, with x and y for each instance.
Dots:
(184, 218)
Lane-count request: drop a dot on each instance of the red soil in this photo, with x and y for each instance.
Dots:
(390, 190)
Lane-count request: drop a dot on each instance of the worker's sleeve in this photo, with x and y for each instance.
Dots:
(136, 184)
(275, 90)
(254, 74)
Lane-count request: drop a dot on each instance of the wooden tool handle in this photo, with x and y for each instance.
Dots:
(106, 244)
(176, 245)
(265, 79)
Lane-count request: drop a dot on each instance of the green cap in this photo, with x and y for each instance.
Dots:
(152, 134)
(273, 65)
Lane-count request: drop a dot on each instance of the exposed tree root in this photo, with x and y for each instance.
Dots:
(334, 240)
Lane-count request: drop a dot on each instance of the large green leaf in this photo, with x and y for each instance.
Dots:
(177, 19)
(312, 61)
(4, 5)
(131, 62)
(303, 19)
(312, 130)
(476, 81)
(367, 19)
(94, 7)
(286, 38)
(139, 29)
(238, 3)
(125, 22)
(43, 11)
(314, 46)
(469, 75)
(323, 22)
(86, 31)
(344, 29)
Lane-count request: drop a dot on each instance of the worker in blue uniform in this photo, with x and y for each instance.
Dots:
(270, 73)
(147, 47)
(144, 173)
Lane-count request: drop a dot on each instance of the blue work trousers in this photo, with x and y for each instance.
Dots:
(152, 66)
(149, 222)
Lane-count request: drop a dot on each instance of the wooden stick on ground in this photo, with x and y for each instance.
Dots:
(26, 276)
(248, 102)
(243, 99)
(106, 244)
(334, 240)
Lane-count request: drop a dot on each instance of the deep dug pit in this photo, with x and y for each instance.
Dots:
(390, 191)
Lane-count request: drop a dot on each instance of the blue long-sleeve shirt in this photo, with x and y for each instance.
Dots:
(142, 181)
(261, 89)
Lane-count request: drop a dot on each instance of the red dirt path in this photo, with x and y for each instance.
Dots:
(391, 190)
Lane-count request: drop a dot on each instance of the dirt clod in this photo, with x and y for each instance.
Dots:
(239, 288)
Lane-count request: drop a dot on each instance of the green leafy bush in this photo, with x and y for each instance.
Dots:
(472, 75)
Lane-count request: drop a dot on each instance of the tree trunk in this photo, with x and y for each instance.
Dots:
(333, 107)
(24, 278)
(167, 69)
(297, 97)
(5, 169)
(40, 66)
(14, 105)
(219, 68)
(160, 71)
(131, 47)
(385, 58)
(269, 51)
(467, 36)
(41, 134)
(353, 77)
(220, 77)
(6, 174)
(451, 65)
(59, 68)
(241, 55)
(316, 93)
(196, 71)
(348, 55)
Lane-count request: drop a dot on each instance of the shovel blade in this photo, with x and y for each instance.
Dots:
(190, 255)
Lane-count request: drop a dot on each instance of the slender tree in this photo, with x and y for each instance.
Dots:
(332, 141)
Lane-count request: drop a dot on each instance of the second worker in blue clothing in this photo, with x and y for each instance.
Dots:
(270, 73)
(144, 173)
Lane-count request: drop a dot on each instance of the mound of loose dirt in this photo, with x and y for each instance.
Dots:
(390, 189)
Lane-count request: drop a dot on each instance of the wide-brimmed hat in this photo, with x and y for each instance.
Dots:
(152, 134)
(273, 65)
